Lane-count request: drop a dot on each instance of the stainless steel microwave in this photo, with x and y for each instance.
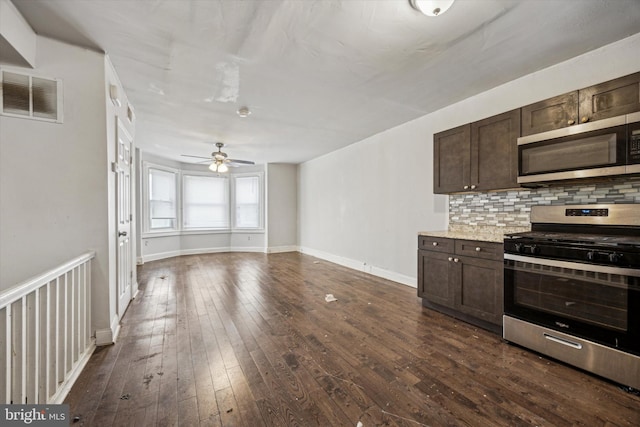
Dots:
(603, 148)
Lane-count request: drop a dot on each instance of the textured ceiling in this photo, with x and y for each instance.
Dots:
(317, 74)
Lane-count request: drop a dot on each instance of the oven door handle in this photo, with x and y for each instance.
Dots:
(563, 341)
(634, 272)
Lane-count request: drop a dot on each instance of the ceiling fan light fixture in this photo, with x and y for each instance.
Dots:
(218, 166)
(431, 7)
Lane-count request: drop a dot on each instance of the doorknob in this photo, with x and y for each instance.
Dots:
(122, 233)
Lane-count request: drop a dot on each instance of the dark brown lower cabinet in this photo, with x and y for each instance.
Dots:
(466, 286)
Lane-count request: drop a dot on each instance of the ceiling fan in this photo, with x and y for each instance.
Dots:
(220, 161)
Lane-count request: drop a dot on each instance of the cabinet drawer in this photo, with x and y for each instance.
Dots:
(438, 244)
(486, 250)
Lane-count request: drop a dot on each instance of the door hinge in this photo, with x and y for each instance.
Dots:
(114, 167)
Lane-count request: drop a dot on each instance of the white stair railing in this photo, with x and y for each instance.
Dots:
(45, 334)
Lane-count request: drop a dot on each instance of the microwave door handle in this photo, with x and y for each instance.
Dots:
(574, 130)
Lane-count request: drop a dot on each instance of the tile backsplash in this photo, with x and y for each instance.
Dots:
(511, 208)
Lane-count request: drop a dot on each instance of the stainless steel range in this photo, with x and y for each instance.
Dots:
(572, 288)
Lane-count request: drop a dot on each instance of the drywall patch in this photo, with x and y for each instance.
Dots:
(228, 77)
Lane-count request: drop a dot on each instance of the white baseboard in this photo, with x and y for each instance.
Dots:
(248, 249)
(280, 249)
(109, 335)
(346, 262)
(362, 266)
(200, 251)
(160, 255)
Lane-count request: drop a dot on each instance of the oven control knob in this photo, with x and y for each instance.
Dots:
(591, 255)
(519, 248)
(534, 250)
(615, 258)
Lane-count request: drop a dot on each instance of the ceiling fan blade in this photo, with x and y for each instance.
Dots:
(197, 157)
(239, 162)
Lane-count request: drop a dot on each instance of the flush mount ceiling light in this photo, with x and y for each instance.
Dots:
(431, 7)
(243, 112)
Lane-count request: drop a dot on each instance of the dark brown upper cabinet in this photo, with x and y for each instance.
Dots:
(553, 113)
(610, 99)
(601, 101)
(479, 156)
(451, 158)
(494, 152)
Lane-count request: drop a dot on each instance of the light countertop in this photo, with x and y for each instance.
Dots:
(471, 232)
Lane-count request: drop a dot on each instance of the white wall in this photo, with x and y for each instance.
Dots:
(54, 177)
(57, 190)
(282, 207)
(363, 206)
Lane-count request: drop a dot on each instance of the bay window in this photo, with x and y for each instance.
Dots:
(177, 201)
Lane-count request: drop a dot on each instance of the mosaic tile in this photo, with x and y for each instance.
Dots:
(511, 208)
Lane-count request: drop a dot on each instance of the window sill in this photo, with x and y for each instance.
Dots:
(156, 234)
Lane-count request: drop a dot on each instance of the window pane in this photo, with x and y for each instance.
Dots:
(206, 202)
(247, 192)
(162, 199)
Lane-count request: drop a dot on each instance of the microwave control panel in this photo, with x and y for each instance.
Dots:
(634, 146)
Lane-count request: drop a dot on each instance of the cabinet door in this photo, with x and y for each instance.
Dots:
(434, 276)
(553, 113)
(480, 292)
(610, 99)
(451, 160)
(494, 152)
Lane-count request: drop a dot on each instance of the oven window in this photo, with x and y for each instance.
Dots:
(593, 298)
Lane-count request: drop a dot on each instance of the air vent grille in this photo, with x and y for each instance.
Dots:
(32, 97)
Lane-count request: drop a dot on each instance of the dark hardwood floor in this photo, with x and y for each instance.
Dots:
(248, 340)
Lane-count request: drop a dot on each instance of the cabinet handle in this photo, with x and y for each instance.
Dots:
(478, 249)
(435, 243)
(473, 187)
(450, 258)
(585, 119)
(570, 122)
(456, 260)
(466, 187)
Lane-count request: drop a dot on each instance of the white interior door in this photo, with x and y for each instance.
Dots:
(124, 217)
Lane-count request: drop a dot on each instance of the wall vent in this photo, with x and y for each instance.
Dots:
(30, 97)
